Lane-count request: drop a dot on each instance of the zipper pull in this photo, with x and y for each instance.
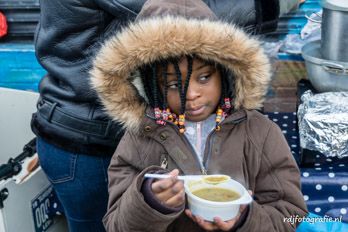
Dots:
(204, 171)
(164, 163)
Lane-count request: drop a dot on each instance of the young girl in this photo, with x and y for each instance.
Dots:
(185, 87)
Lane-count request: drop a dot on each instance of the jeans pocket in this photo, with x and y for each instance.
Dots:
(58, 165)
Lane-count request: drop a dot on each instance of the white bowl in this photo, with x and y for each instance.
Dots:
(210, 209)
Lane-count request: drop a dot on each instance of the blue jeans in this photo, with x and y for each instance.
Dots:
(80, 182)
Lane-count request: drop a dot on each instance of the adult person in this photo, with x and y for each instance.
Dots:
(75, 136)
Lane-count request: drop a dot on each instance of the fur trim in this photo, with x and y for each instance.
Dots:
(150, 40)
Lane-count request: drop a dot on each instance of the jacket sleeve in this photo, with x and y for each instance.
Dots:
(255, 16)
(121, 8)
(127, 210)
(277, 191)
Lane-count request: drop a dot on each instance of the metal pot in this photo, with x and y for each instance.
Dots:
(334, 33)
(325, 75)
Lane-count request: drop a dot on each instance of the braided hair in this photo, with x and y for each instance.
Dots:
(158, 100)
(228, 87)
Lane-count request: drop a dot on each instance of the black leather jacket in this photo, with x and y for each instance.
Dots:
(69, 34)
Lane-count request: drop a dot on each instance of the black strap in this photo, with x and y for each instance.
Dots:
(54, 114)
(14, 166)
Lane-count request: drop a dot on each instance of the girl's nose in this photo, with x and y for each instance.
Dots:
(193, 92)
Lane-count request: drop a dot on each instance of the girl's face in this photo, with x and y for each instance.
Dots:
(203, 92)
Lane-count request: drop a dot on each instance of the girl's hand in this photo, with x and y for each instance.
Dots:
(170, 192)
(218, 223)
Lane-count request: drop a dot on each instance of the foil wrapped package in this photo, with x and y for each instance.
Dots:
(323, 123)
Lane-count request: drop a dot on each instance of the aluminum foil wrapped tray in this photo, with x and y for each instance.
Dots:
(323, 123)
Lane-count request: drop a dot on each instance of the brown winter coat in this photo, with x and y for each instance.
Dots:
(252, 151)
(249, 147)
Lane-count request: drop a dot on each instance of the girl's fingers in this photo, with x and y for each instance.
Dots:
(242, 208)
(209, 226)
(188, 213)
(161, 185)
(225, 225)
(175, 189)
(174, 172)
(177, 200)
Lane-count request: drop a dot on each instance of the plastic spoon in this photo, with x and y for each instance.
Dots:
(215, 179)
(164, 176)
(209, 179)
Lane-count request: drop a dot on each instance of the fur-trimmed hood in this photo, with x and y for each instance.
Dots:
(175, 28)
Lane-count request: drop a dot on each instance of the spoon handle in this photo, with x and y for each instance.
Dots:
(163, 176)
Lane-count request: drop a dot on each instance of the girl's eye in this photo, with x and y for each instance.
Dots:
(172, 85)
(204, 78)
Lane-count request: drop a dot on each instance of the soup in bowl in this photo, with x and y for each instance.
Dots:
(216, 194)
(216, 200)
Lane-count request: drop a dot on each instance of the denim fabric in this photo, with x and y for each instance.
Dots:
(80, 182)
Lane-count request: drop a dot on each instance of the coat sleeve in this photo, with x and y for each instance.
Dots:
(256, 16)
(277, 191)
(127, 210)
(259, 16)
(121, 8)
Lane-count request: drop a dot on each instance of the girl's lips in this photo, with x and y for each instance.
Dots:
(195, 111)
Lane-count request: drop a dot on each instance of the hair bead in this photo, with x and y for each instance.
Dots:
(170, 115)
(181, 119)
(165, 115)
(218, 118)
(181, 123)
(227, 104)
(157, 115)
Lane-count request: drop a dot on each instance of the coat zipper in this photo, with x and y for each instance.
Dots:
(207, 149)
(205, 158)
(164, 163)
(201, 166)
